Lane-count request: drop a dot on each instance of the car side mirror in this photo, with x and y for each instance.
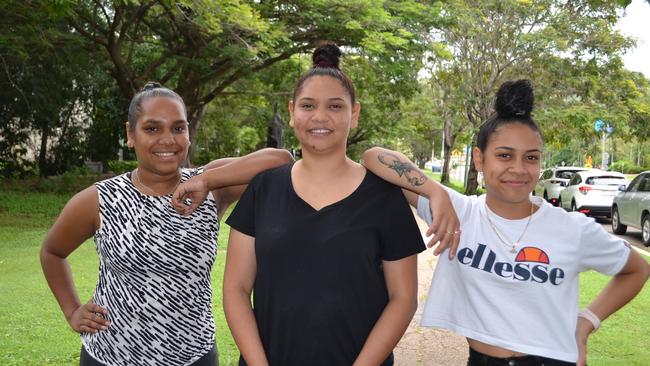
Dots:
(622, 187)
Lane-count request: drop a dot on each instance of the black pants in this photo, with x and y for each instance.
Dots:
(209, 359)
(479, 359)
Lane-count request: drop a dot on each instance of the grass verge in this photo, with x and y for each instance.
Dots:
(34, 332)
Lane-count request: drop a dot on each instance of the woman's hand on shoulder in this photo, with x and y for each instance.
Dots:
(190, 194)
(86, 318)
(445, 224)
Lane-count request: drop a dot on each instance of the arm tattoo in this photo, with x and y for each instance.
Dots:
(412, 174)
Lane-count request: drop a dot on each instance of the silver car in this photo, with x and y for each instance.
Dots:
(631, 207)
(553, 180)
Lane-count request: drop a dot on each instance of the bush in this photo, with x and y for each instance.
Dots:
(71, 181)
(17, 169)
(122, 166)
(625, 166)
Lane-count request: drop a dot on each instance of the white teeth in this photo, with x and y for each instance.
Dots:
(320, 130)
(165, 154)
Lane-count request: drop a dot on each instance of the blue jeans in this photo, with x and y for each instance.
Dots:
(209, 359)
(477, 358)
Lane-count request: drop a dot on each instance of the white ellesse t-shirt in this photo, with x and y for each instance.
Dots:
(525, 301)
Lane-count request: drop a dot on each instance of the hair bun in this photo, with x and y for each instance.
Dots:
(515, 99)
(151, 85)
(327, 56)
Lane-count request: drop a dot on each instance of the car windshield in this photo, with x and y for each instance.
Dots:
(605, 181)
(565, 174)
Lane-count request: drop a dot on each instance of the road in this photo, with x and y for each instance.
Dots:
(633, 236)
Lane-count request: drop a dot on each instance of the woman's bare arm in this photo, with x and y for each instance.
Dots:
(397, 169)
(620, 290)
(77, 222)
(227, 179)
(402, 284)
(238, 281)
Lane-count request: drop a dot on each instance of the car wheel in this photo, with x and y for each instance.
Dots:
(617, 227)
(645, 230)
(573, 206)
(545, 196)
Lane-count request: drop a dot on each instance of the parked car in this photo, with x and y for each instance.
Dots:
(631, 207)
(552, 182)
(592, 192)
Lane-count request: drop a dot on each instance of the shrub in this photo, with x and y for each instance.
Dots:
(71, 181)
(625, 166)
(122, 166)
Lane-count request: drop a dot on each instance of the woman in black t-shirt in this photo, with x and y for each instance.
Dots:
(327, 249)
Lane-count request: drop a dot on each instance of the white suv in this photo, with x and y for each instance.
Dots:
(592, 192)
(552, 182)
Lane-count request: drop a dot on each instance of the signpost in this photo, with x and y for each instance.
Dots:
(604, 128)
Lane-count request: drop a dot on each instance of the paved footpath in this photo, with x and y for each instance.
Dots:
(422, 346)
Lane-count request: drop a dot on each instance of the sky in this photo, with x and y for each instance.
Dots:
(635, 24)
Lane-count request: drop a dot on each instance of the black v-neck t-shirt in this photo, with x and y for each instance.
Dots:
(319, 287)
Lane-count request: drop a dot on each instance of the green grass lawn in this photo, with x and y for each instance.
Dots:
(624, 337)
(34, 332)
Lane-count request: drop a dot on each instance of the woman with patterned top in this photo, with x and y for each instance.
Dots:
(512, 289)
(152, 302)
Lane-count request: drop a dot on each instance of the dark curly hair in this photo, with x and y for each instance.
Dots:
(326, 60)
(514, 104)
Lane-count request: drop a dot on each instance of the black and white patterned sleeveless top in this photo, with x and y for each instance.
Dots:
(154, 277)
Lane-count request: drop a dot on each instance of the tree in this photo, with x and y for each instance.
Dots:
(448, 102)
(44, 89)
(202, 48)
(417, 129)
(492, 41)
(572, 98)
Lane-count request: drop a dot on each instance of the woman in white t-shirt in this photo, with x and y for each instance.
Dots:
(512, 287)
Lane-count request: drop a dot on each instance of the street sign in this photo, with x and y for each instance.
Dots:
(598, 125)
(603, 126)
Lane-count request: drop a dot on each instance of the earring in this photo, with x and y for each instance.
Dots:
(129, 144)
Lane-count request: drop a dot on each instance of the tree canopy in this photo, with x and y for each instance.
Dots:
(203, 48)
(421, 68)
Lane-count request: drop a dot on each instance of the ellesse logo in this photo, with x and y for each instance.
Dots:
(531, 264)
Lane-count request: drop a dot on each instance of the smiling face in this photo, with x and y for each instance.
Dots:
(322, 115)
(510, 164)
(160, 137)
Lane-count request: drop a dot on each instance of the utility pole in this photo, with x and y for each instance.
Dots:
(442, 145)
(604, 128)
(433, 149)
(604, 156)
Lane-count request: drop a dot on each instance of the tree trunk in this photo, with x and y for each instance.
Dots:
(472, 176)
(42, 154)
(444, 177)
(447, 143)
(195, 117)
(275, 130)
(471, 183)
